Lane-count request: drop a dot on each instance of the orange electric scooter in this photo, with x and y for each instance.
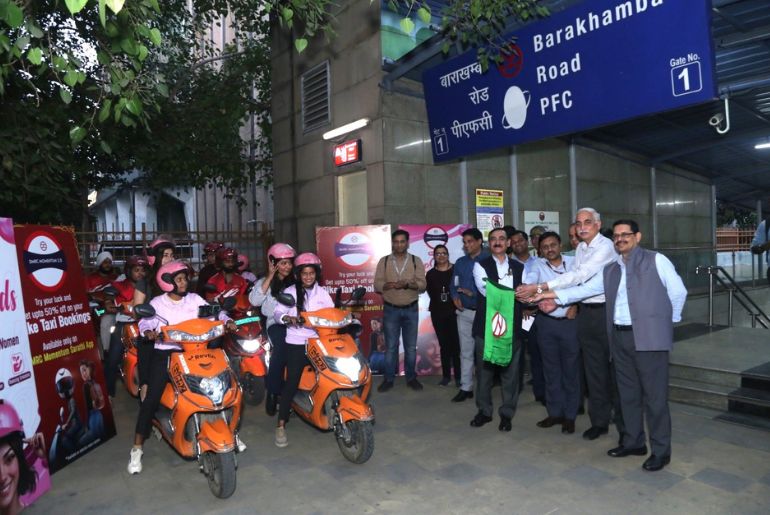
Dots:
(333, 390)
(201, 406)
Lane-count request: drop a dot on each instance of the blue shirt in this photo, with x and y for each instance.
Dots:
(541, 271)
(463, 278)
(677, 293)
(760, 238)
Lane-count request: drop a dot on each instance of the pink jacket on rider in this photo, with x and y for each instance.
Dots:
(175, 312)
(315, 298)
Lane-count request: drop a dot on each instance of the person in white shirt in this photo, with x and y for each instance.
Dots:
(593, 253)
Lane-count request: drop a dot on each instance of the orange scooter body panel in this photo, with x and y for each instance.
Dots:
(354, 408)
(216, 436)
(129, 369)
(254, 366)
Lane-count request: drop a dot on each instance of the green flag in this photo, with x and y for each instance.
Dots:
(500, 326)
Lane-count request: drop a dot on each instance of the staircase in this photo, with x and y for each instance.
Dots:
(725, 382)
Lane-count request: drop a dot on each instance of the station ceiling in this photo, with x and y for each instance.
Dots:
(684, 138)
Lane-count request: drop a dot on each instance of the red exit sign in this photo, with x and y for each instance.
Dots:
(348, 152)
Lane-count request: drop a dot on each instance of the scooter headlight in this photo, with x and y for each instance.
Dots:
(176, 335)
(214, 388)
(250, 345)
(349, 366)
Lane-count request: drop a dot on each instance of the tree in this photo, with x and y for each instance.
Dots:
(91, 89)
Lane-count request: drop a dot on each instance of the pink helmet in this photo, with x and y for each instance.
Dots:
(10, 423)
(307, 258)
(166, 273)
(280, 251)
(243, 262)
(158, 245)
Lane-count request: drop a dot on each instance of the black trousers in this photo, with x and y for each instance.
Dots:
(643, 387)
(113, 358)
(295, 364)
(144, 351)
(603, 401)
(157, 378)
(274, 380)
(445, 325)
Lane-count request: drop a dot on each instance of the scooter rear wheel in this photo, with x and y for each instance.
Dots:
(361, 445)
(254, 388)
(220, 472)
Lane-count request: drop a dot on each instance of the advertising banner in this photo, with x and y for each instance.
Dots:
(423, 239)
(74, 407)
(19, 409)
(489, 210)
(594, 64)
(349, 256)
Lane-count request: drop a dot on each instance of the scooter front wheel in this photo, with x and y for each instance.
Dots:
(220, 471)
(360, 446)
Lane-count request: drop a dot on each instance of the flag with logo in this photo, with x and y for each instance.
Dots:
(500, 326)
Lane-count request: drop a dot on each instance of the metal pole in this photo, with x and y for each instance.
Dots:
(711, 297)
(730, 294)
(573, 180)
(733, 263)
(464, 191)
(654, 206)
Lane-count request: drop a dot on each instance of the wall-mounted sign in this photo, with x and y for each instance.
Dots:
(347, 153)
(597, 63)
(489, 210)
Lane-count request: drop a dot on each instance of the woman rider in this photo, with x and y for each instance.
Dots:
(309, 296)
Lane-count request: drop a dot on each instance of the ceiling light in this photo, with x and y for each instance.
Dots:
(760, 146)
(350, 127)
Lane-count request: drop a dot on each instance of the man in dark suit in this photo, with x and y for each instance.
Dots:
(502, 270)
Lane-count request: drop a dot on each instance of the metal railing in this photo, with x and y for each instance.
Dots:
(734, 293)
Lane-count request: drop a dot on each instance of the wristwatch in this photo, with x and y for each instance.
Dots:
(539, 289)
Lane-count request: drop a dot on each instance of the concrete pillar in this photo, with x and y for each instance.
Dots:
(513, 165)
(573, 180)
(654, 206)
(464, 191)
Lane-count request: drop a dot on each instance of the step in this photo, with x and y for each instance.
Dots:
(743, 419)
(698, 393)
(704, 375)
(751, 396)
(757, 378)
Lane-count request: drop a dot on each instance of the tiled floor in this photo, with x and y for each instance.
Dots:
(428, 460)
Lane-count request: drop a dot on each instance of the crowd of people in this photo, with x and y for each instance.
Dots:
(596, 322)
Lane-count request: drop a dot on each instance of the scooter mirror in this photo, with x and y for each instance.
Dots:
(358, 294)
(229, 303)
(144, 310)
(111, 291)
(285, 299)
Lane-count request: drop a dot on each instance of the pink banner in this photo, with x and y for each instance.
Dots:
(423, 238)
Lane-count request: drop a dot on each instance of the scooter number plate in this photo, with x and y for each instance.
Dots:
(316, 358)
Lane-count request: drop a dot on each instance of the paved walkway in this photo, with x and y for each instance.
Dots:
(428, 460)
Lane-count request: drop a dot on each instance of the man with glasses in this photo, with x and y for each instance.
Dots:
(645, 296)
(464, 295)
(593, 253)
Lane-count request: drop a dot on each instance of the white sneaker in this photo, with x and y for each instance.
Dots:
(135, 462)
(280, 437)
(239, 443)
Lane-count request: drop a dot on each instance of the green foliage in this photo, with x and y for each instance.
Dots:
(103, 87)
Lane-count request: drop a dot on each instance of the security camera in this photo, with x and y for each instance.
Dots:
(716, 120)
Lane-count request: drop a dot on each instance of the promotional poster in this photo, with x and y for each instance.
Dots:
(74, 407)
(349, 256)
(20, 440)
(423, 238)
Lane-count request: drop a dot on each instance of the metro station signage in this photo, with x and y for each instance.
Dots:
(347, 153)
(597, 63)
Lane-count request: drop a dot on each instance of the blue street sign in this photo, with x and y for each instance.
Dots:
(600, 62)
